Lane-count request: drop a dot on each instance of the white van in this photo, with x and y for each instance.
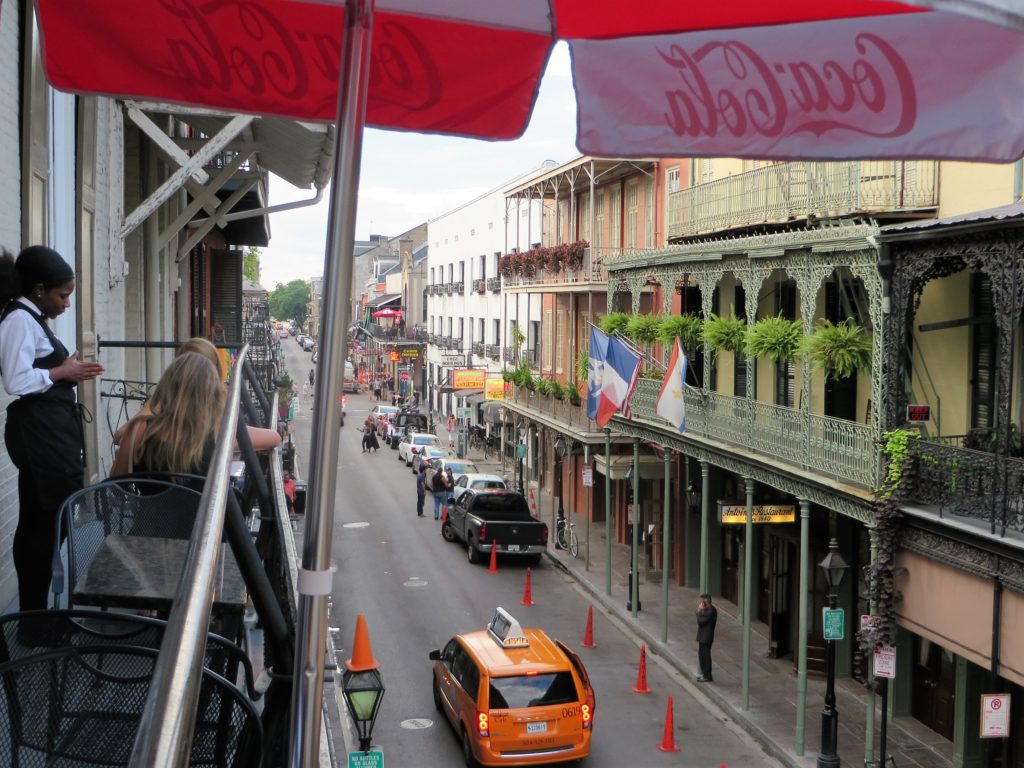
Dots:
(351, 384)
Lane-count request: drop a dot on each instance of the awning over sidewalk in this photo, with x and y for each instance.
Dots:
(384, 300)
(651, 467)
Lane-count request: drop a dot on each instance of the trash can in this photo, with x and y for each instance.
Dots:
(299, 505)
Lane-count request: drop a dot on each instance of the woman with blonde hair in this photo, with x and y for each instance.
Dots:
(178, 434)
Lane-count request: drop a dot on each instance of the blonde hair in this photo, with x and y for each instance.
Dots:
(204, 347)
(187, 406)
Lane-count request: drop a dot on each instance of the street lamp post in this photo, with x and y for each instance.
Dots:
(834, 568)
(362, 685)
(560, 451)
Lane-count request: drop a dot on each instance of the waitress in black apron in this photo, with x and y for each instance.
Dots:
(43, 434)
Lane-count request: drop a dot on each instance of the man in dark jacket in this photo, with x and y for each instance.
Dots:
(421, 490)
(707, 617)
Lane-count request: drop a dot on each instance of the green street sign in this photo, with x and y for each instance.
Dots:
(372, 759)
(834, 622)
(520, 451)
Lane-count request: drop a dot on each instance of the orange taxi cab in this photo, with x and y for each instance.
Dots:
(514, 696)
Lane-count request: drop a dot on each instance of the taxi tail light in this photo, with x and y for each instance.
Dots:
(483, 724)
(587, 715)
(483, 532)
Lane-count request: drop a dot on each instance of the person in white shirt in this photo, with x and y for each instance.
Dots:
(43, 435)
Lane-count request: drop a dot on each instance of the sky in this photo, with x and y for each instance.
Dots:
(409, 178)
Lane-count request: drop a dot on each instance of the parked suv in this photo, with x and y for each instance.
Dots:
(407, 422)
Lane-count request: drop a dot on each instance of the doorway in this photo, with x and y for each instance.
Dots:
(775, 599)
(933, 697)
(731, 553)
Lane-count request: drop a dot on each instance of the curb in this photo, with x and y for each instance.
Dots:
(654, 645)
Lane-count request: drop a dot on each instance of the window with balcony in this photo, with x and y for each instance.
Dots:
(560, 334)
(840, 394)
(480, 330)
(462, 271)
(672, 180)
(615, 219)
(649, 214)
(739, 377)
(785, 371)
(584, 214)
(632, 213)
(482, 275)
(599, 223)
(496, 325)
(451, 273)
(984, 352)
(548, 344)
(462, 321)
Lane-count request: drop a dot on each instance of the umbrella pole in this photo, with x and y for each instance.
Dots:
(314, 584)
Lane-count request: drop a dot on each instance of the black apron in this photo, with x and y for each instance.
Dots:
(45, 442)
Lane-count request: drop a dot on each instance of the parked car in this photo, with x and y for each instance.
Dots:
(485, 519)
(458, 467)
(427, 454)
(414, 443)
(514, 696)
(474, 482)
(307, 344)
(384, 411)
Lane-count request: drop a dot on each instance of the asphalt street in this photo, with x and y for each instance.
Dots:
(416, 591)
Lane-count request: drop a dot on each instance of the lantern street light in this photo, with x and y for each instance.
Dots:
(362, 685)
(834, 567)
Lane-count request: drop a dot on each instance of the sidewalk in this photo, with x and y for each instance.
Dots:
(771, 719)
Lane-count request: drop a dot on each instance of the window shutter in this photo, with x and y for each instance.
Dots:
(226, 294)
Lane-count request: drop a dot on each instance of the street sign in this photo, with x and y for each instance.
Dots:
(372, 759)
(453, 359)
(995, 716)
(885, 662)
(588, 476)
(520, 451)
(465, 413)
(834, 622)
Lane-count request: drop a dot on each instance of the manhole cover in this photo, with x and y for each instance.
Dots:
(416, 581)
(355, 525)
(417, 723)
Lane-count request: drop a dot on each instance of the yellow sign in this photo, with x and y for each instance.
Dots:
(495, 388)
(736, 514)
(395, 357)
(468, 378)
(410, 352)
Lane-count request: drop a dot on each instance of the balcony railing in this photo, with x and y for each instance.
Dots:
(560, 410)
(592, 271)
(455, 343)
(459, 288)
(478, 348)
(971, 484)
(480, 286)
(494, 284)
(785, 191)
(493, 351)
(448, 287)
(510, 354)
(835, 447)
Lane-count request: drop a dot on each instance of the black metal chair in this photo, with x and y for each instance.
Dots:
(30, 633)
(81, 706)
(129, 506)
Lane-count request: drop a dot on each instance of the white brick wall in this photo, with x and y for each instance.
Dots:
(10, 238)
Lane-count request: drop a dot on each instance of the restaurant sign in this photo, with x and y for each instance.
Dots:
(468, 378)
(736, 514)
(410, 352)
(496, 388)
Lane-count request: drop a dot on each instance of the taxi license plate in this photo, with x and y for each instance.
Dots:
(513, 547)
(537, 727)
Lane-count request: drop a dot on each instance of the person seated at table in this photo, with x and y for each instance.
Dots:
(179, 432)
(262, 439)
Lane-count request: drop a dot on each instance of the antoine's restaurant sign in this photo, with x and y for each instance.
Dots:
(736, 514)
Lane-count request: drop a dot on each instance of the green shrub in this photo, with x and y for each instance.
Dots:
(689, 329)
(555, 389)
(572, 394)
(774, 337)
(583, 363)
(839, 350)
(643, 329)
(726, 333)
(615, 322)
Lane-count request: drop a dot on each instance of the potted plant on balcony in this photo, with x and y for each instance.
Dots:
(727, 334)
(540, 385)
(523, 376)
(838, 349)
(572, 394)
(574, 254)
(774, 337)
(643, 330)
(615, 322)
(583, 365)
(555, 389)
(284, 395)
(689, 329)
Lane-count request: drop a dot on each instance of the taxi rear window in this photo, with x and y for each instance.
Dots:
(524, 691)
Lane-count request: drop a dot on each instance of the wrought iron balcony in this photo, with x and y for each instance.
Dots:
(791, 191)
(559, 410)
(592, 271)
(448, 288)
(834, 447)
(493, 351)
(510, 354)
(480, 286)
(478, 348)
(965, 483)
(455, 343)
(494, 284)
(459, 288)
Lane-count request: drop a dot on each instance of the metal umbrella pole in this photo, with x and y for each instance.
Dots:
(315, 574)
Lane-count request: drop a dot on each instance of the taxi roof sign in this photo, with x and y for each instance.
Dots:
(506, 630)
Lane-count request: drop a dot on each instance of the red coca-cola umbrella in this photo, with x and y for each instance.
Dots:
(811, 79)
(387, 312)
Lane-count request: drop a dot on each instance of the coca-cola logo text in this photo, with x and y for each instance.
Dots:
(264, 54)
(727, 86)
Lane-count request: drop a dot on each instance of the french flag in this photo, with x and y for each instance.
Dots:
(595, 369)
(621, 370)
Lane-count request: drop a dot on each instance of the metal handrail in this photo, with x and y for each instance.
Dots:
(164, 738)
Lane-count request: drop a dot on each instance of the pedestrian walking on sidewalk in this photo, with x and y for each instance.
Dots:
(707, 618)
(451, 431)
(421, 489)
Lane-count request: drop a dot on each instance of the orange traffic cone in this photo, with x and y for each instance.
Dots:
(493, 567)
(362, 655)
(527, 590)
(444, 519)
(668, 741)
(588, 633)
(641, 673)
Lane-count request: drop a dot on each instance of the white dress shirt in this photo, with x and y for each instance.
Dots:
(22, 342)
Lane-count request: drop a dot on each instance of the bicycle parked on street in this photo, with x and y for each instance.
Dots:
(565, 536)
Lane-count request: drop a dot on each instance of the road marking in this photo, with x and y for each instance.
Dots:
(415, 581)
(356, 525)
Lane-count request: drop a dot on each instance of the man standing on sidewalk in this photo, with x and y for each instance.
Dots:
(707, 617)
(421, 490)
